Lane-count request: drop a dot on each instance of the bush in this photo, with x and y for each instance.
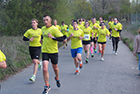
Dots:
(17, 54)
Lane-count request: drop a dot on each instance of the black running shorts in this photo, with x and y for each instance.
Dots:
(53, 57)
(101, 42)
(85, 42)
(34, 52)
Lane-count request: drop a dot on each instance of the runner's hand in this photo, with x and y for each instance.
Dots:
(71, 35)
(50, 36)
(31, 39)
(81, 38)
(116, 29)
(65, 40)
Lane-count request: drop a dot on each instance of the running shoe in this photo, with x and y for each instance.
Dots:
(77, 72)
(32, 78)
(80, 66)
(87, 60)
(92, 55)
(39, 66)
(95, 51)
(102, 59)
(46, 89)
(115, 53)
(57, 82)
(64, 47)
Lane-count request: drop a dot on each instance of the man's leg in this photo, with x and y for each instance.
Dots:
(45, 72)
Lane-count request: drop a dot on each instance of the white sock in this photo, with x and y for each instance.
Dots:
(77, 68)
(34, 76)
(80, 62)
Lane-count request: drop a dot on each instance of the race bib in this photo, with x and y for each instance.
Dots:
(86, 36)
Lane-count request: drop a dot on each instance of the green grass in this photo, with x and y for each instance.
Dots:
(17, 55)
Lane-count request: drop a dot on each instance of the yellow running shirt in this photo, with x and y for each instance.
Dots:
(49, 45)
(94, 30)
(63, 28)
(2, 56)
(36, 34)
(70, 27)
(57, 27)
(80, 26)
(87, 33)
(102, 34)
(110, 24)
(75, 40)
(114, 32)
(83, 23)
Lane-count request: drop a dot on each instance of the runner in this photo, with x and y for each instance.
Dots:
(86, 41)
(110, 26)
(116, 29)
(76, 35)
(71, 25)
(50, 51)
(80, 25)
(2, 60)
(121, 29)
(64, 29)
(55, 24)
(34, 36)
(95, 27)
(102, 32)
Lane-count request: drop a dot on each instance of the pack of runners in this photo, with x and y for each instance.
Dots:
(87, 35)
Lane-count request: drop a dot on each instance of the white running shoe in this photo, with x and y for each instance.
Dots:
(77, 72)
(115, 53)
(32, 78)
(102, 59)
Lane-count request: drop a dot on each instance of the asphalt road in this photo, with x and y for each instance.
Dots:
(116, 75)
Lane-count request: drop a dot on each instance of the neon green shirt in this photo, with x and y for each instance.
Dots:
(36, 34)
(110, 24)
(75, 40)
(80, 26)
(87, 33)
(63, 28)
(114, 32)
(102, 34)
(2, 56)
(94, 30)
(70, 27)
(58, 27)
(49, 45)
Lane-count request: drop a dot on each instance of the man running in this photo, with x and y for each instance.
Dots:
(55, 24)
(80, 25)
(33, 35)
(86, 41)
(116, 29)
(64, 30)
(102, 33)
(50, 51)
(110, 26)
(71, 25)
(2, 60)
(76, 35)
(95, 27)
